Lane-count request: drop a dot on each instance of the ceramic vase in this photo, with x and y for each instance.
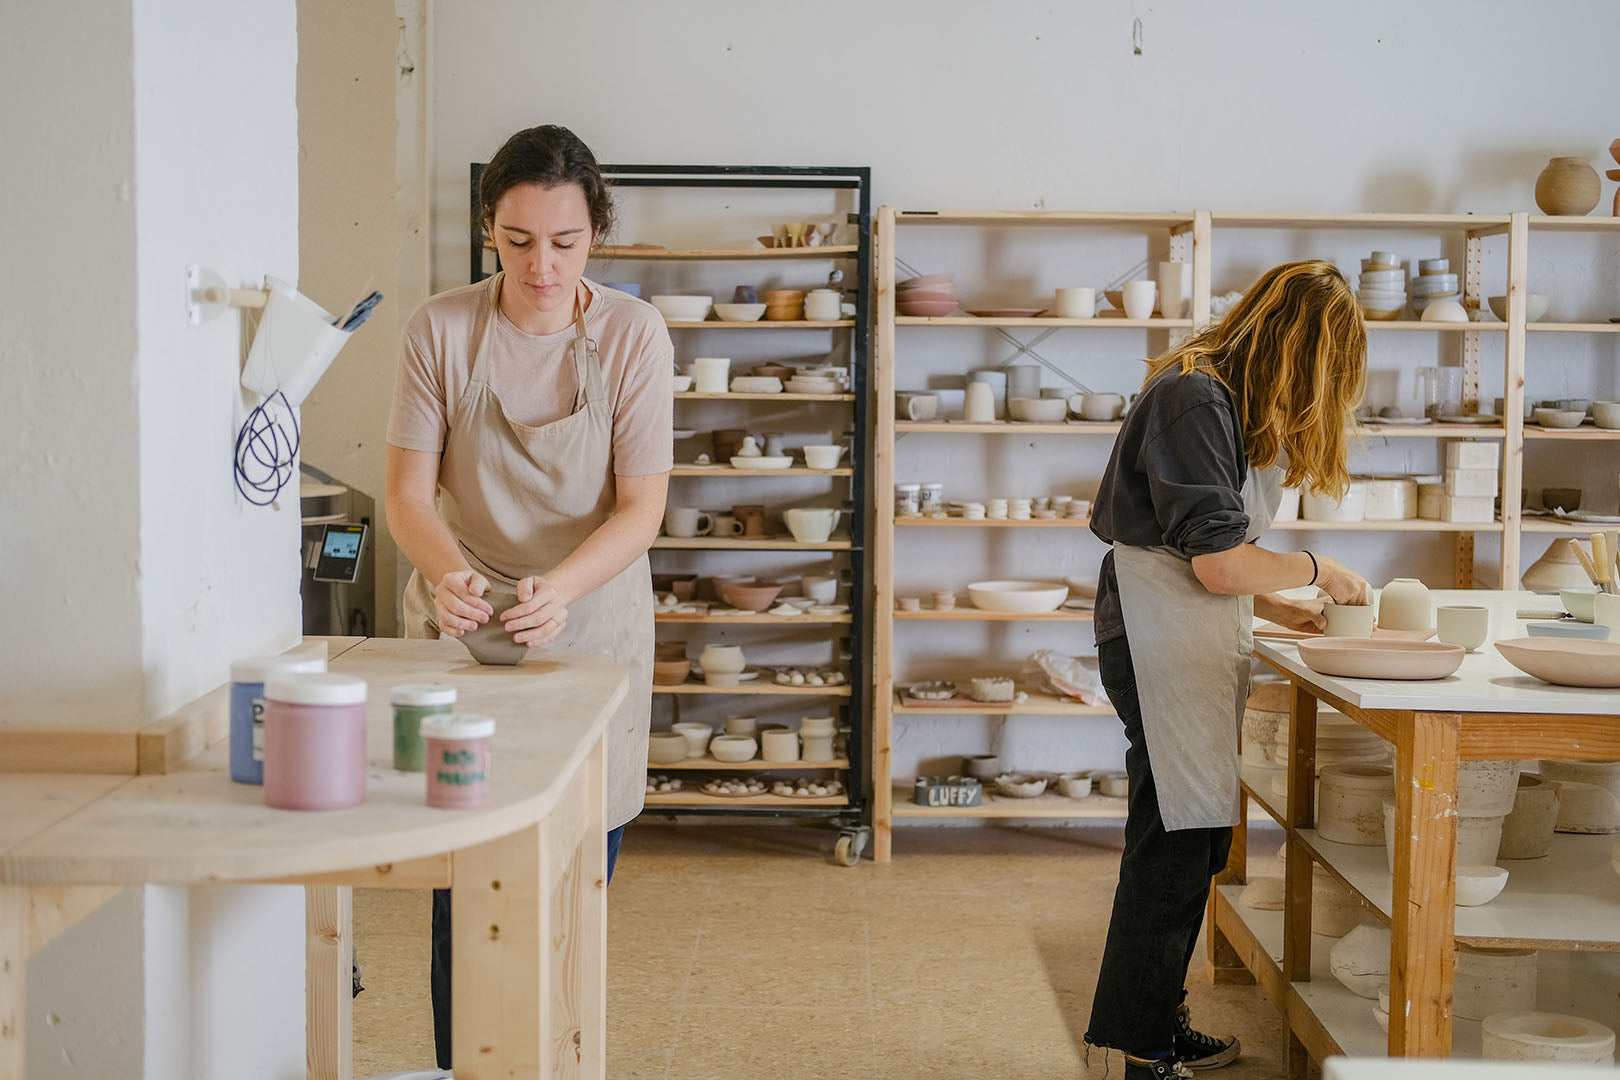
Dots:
(1555, 570)
(1404, 605)
(1568, 187)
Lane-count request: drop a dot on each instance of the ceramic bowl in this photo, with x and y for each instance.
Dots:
(1568, 629)
(683, 383)
(697, 736)
(1380, 658)
(740, 312)
(981, 766)
(1569, 662)
(756, 384)
(1018, 597)
(928, 281)
(1039, 410)
(666, 747)
(1115, 785)
(1535, 306)
(762, 461)
(1020, 785)
(921, 295)
(683, 308)
(1606, 414)
(1434, 284)
(1444, 311)
(1388, 279)
(733, 748)
(823, 589)
(1567, 404)
(1478, 885)
(926, 309)
(671, 672)
(1580, 602)
(750, 597)
(1434, 266)
(1381, 314)
(773, 370)
(1560, 418)
(1075, 785)
(808, 384)
(823, 457)
(1558, 498)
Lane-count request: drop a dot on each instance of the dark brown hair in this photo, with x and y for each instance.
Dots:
(549, 155)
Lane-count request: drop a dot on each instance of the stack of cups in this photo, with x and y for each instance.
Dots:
(1018, 509)
(1078, 509)
(907, 500)
(973, 511)
(944, 600)
(996, 509)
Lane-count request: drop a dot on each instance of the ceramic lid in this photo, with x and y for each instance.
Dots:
(315, 689)
(458, 726)
(255, 669)
(423, 694)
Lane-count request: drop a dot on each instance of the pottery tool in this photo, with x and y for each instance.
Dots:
(1530, 614)
(1602, 563)
(1585, 561)
(1611, 538)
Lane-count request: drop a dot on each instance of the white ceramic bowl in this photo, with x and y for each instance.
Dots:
(1606, 414)
(1559, 418)
(1444, 311)
(1535, 306)
(1039, 410)
(806, 384)
(823, 457)
(666, 747)
(740, 312)
(1075, 785)
(1428, 267)
(756, 384)
(1018, 597)
(1430, 284)
(1478, 885)
(762, 461)
(1353, 507)
(683, 383)
(1115, 785)
(1020, 785)
(683, 308)
(733, 748)
(1386, 278)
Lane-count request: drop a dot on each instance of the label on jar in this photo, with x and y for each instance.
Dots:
(258, 729)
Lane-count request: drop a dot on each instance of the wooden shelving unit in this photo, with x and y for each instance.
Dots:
(826, 251)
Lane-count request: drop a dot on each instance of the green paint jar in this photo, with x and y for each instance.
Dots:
(412, 704)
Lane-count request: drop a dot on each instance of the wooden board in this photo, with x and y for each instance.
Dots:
(826, 251)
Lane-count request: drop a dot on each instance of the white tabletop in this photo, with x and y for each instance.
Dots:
(1486, 683)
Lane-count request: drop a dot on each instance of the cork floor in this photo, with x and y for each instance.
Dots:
(742, 951)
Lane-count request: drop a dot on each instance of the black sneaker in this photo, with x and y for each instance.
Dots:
(1149, 1069)
(1195, 1050)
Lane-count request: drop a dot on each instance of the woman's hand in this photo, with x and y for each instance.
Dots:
(1302, 615)
(1341, 583)
(458, 604)
(540, 614)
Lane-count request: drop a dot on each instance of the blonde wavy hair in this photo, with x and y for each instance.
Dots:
(1293, 355)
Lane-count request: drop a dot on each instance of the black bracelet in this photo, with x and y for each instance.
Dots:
(1315, 570)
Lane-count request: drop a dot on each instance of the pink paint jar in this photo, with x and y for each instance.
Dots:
(459, 748)
(314, 742)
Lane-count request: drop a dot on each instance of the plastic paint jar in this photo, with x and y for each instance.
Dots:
(314, 742)
(414, 703)
(247, 709)
(458, 756)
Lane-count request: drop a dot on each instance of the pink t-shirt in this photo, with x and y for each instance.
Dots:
(533, 374)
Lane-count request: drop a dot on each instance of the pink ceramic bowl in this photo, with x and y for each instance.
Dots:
(930, 309)
(749, 597)
(928, 281)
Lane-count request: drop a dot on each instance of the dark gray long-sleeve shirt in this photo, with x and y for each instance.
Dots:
(1175, 480)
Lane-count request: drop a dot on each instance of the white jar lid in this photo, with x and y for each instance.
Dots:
(315, 689)
(255, 669)
(458, 726)
(423, 694)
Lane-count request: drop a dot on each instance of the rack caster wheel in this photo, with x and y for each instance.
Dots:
(851, 844)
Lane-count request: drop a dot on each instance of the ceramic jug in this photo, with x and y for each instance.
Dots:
(1404, 605)
(749, 447)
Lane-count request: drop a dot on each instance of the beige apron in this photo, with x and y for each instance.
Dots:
(519, 500)
(1192, 651)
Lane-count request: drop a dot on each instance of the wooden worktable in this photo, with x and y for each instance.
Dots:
(528, 870)
(1488, 709)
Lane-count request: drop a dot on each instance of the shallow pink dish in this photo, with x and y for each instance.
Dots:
(928, 309)
(1565, 661)
(922, 296)
(1380, 658)
(928, 281)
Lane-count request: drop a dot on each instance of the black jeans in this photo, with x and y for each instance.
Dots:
(439, 976)
(1159, 904)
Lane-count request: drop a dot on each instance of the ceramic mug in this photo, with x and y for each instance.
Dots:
(980, 404)
(687, 521)
(1101, 406)
(726, 525)
(1348, 620)
(916, 406)
(1076, 303)
(811, 525)
(752, 515)
(1606, 608)
(1468, 625)
(822, 305)
(1139, 297)
(996, 379)
(710, 373)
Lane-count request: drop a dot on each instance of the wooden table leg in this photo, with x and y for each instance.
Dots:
(1226, 967)
(591, 886)
(328, 982)
(1423, 952)
(13, 979)
(1297, 871)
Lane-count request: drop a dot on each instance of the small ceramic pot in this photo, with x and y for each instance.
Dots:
(1348, 620)
(983, 767)
(1115, 785)
(780, 746)
(1487, 786)
(1568, 186)
(697, 737)
(722, 660)
(1334, 912)
(1404, 604)
(1527, 832)
(1493, 980)
(1139, 298)
(733, 748)
(1351, 807)
(1468, 625)
(742, 725)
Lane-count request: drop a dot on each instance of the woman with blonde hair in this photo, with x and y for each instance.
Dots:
(1262, 398)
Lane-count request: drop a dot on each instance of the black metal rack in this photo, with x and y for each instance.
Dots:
(852, 819)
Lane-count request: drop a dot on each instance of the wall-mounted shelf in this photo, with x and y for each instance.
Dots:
(828, 251)
(761, 324)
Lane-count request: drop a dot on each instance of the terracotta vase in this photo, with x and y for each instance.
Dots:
(1568, 186)
(1557, 569)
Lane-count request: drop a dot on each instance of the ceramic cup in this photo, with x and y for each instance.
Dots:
(726, 525)
(1101, 406)
(1175, 288)
(1468, 625)
(1348, 620)
(907, 500)
(710, 373)
(752, 515)
(916, 406)
(996, 379)
(822, 305)
(1076, 303)
(687, 521)
(980, 405)
(779, 745)
(1606, 612)
(1139, 297)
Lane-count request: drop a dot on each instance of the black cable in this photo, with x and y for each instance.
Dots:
(265, 452)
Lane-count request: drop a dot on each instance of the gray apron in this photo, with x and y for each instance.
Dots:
(519, 500)
(1191, 650)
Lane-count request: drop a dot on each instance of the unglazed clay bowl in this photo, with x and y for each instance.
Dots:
(733, 748)
(740, 312)
(1580, 602)
(927, 309)
(1020, 785)
(1535, 306)
(1565, 662)
(754, 598)
(1039, 410)
(1565, 499)
(1559, 418)
(1380, 658)
(1478, 885)
(1606, 414)
(666, 747)
(670, 672)
(1018, 597)
(683, 308)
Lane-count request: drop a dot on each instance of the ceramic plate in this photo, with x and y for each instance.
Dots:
(1006, 313)
(1383, 658)
(1565, 662)
(1477, 419)
(1283, 633)
(1397, 421)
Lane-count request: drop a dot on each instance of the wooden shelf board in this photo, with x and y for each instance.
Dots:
(1573, 528)
(1005, 427)
(1431, 431)
(975, 615)
(1577, 871)
(992, 523)
(828, 251)
(1584, 433)
(1041, 217)
(710, 543)
(1465, 222)
(1037, 705)
(711, 764)
(760, 324)
(1442, 327)
(1386, 526)
(727, 470)
(761, 619)
(996, 806)
(693, 395)
(1042, 322)
(675, 800)
(1256, 781)
(1573, 328)
(1589, 223)
(757, 688)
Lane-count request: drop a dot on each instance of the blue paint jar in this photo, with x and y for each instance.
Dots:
(247, 709)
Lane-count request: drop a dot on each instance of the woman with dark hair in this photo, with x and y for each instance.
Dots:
(529, 446)
(1261, 398)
